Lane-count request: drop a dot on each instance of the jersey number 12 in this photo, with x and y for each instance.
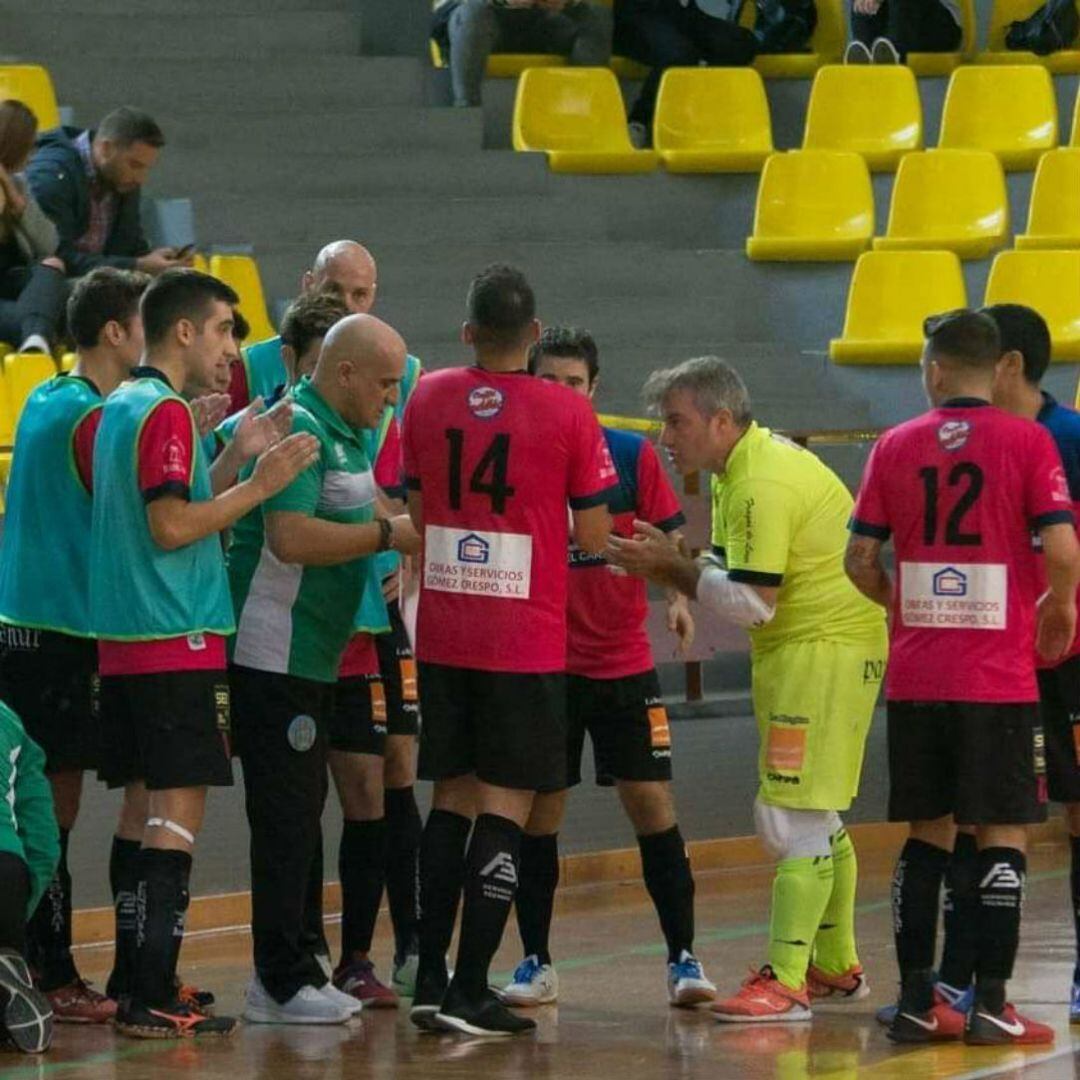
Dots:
(970, 477)
(489, 476)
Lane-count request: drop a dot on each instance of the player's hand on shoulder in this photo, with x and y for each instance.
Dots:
(279, 466)
(260, 429)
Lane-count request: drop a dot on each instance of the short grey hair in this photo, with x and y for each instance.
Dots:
(713, 383)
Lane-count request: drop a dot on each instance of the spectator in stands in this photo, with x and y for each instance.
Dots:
(885, 31)
(677, 33)
(32, 286)
(88, 182)
(473, 29)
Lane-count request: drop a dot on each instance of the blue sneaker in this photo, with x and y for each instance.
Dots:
(687, 984)
(532, 983)
(1074, 999)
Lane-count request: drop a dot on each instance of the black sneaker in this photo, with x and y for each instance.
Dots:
(430, 989)
(26, 1017)
(175, 1021)
(938, 1024)
(485, 1016)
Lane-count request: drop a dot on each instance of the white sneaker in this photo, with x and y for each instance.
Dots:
(35, 343)
(856, 53)
(532, 983)
(687, 984)
(306, 1006)
(883, 51)
(354, 1006)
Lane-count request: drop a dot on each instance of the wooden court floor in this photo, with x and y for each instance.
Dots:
(612, 1022)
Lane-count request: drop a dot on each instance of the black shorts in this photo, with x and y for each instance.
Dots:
(285, 714)
(169, 729)
(627, 723)
(984, 763)
(398, 669)
(51, 681)
(357, 719)
(508, 728)
(1059, 693)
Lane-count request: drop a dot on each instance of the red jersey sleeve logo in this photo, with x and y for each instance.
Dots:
(174, 458)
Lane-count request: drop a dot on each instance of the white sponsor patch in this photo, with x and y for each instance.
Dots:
(954, 596)
(478, 563)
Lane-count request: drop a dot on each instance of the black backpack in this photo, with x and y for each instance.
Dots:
(1052, 27)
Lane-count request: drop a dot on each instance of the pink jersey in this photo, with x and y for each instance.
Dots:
(497, 459)
(608, 608)
(959, 489)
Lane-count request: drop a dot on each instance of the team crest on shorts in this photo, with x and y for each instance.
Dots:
(953, 434)
(486, 402)
(301, 733)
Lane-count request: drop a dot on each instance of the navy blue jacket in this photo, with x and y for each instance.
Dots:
(59, 182)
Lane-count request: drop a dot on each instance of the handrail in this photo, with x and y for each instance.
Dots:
(804, 437)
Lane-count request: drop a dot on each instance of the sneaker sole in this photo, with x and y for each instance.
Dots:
(423, 1017)
(689, 998)
(266, 1016)
(28, 1014)
(795, 1016)
(917, 1038)
(840, 1000)
(453, 1023)
(139, 1031)
(85, 1020)
(977, 1041)
(517, 1002)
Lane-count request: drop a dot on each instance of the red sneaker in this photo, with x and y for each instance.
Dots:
(357, 979)
(940, 1023)
(76, 1003)
(201, 1001)
(826, 989)
(764, 999)
(985, 1028)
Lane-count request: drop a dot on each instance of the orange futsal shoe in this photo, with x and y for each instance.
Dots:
(940, 1023)
(764, 999)
(832, 990)
(76, 1003)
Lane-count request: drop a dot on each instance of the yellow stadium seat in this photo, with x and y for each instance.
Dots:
(1048, 281)
(1054, 210)
(23, 372)
(891, 294)
(68, 361)
(812, 205)
(505, 65)
(946, 63)
(1004, 12)
(1074, 135)
(953, 199)
(873, 111)
(198, 262)
(576, 116)
(241, 272)
(33, 86)
(712, 120)
(1009, 110)
(826, 43)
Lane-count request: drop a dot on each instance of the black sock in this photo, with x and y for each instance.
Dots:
(48, 932)
(490, 883)
(538, 878)
(403, 830)
(916, 894)
(161, 909)
(1002, 871)
(1074, 884)
(961, 913)
(670, 882)
(442, 870)
(14, 897)
(124, 865)
(361, 866)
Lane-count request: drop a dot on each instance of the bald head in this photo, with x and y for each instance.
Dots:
(346, 268)
(360, 368)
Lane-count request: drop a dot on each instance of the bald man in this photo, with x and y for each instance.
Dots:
(297, 572)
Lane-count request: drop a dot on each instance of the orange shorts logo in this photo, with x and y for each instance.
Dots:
(378, 703)
(786, 748)
(659, 730)
(408, 679)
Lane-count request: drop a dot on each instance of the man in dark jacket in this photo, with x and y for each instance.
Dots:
(88, 182)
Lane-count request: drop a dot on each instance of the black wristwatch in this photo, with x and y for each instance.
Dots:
(386, 534)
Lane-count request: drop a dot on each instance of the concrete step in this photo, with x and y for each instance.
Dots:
(387, 222)
(243, 87)
(104, 39)
(347, 173)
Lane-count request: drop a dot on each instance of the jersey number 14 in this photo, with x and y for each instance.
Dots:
(489, 476)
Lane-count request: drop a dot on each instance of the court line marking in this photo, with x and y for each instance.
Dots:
(731, 933)
(1012, 1066)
